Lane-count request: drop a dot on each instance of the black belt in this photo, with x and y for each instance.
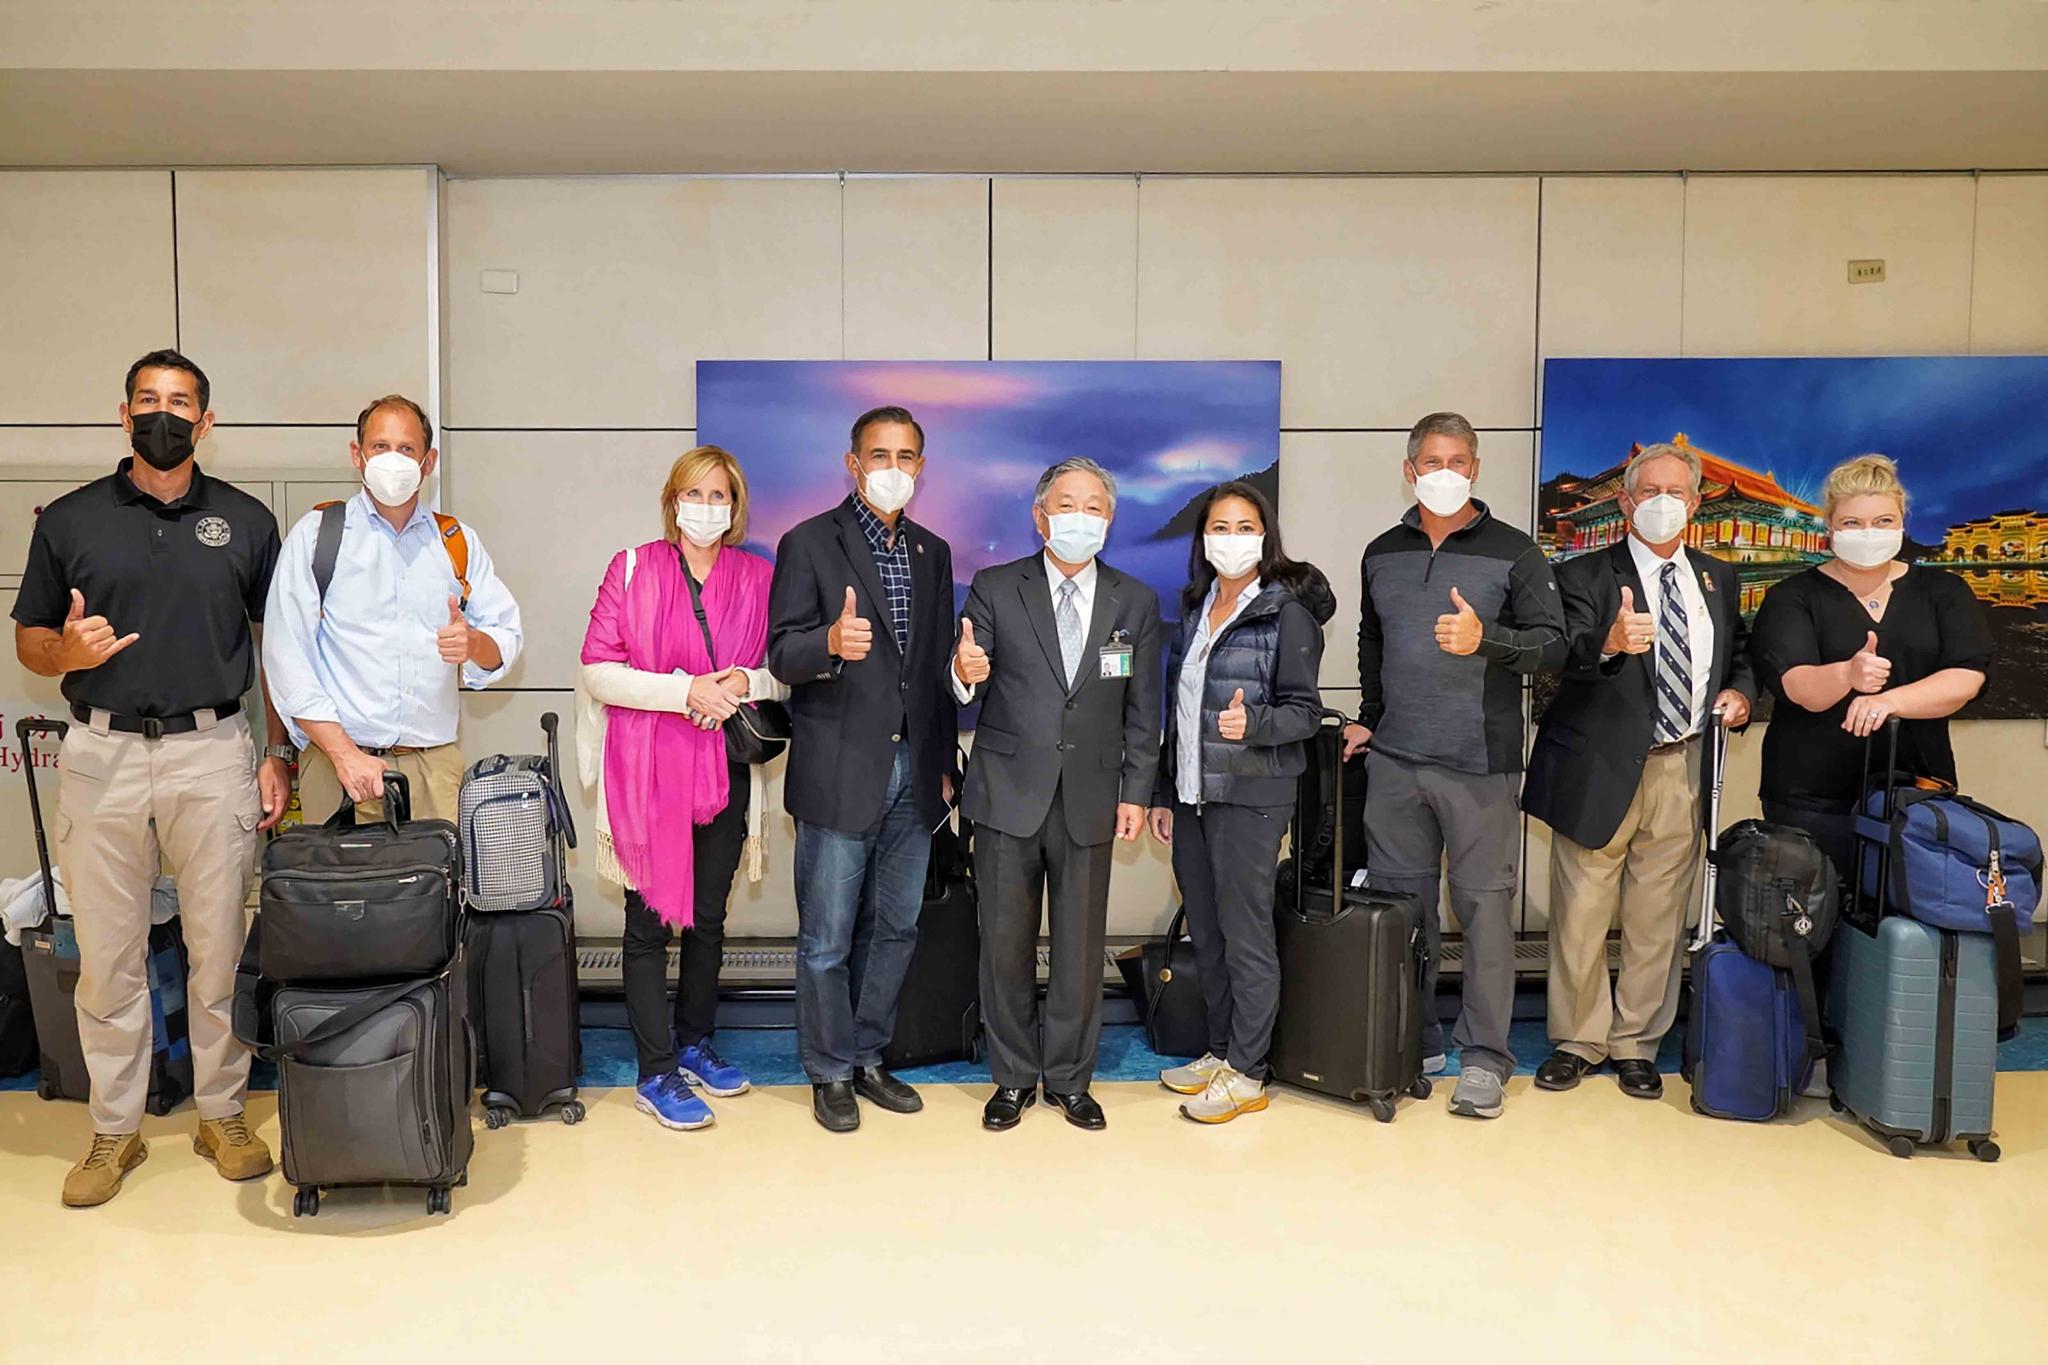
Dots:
(154, 727)
(1672, 746)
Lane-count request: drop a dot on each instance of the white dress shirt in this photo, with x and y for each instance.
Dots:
(371, 662)
(1187, 695)
(1699, 622)
(1084, 603)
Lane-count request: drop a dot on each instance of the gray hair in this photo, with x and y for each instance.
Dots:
(1078, 464)
(1657, 452)
(1443, 424)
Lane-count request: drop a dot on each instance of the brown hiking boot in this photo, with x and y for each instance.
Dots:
(98, 1178)
(235, 1152)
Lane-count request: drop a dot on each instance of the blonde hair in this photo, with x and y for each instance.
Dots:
(690, 468)
(1866, 475)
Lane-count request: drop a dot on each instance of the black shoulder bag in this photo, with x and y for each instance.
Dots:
(758, 731)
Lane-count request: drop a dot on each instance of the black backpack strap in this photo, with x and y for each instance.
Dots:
(327, 546)
(1797, 951)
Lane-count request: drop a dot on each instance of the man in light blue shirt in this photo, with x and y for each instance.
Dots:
(366, 667)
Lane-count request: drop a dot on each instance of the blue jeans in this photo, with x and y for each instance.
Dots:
(857, 902)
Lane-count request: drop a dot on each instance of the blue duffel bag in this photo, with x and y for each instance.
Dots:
(1957, 864)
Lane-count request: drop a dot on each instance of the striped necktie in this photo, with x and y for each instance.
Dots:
(1674, 660)
(1068, 617)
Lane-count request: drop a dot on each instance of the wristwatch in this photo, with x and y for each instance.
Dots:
(280, 751)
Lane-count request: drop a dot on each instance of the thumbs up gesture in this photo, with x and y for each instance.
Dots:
(453, 638)
(1457, 632)
(1869, 671)
(970, 660)
(851, 637)
(88, 641)
(1230, 722)
(1633, 632)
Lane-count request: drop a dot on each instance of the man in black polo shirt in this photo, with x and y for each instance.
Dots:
(143, 590)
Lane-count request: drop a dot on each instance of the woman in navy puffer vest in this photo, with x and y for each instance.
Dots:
(1242, 701)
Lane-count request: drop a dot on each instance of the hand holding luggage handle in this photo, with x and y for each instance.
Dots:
(1717, 769)
(397, 804)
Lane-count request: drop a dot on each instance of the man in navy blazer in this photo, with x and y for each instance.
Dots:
(1658, 656)
(860, 624)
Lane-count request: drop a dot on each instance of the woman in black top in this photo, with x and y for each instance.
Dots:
(1853, 642)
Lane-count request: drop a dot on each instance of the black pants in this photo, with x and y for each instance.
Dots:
(1224, 858)
(645, 968)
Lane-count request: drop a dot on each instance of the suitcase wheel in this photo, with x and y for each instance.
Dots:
(1984, 1149)
(1382, 1109)
(1901, 1147)
(306, 1203)
(439, 1200)
(573, 1112)
(1835, 1103)
(46, 1088)
(496, 1117)
(1420, 1090)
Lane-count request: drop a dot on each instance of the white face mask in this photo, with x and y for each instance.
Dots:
(392, 478)
(1867, 549)
(1661, 519)
(1443, 491)
(703, 523)
(1076, 537)
(889, 490)
(1233, 556)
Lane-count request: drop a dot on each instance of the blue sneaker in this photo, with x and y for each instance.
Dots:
(704, 1068)
(672, 1103)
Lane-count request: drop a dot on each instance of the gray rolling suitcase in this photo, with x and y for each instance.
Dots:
(374, 1086)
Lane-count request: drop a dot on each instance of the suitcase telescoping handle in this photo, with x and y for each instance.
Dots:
(24, 729)
(1337, 814)
(1717, 775)
(551, 725)
(1876, 830)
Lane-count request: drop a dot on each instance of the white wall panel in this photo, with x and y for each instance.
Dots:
(624, 284)
(1767, 264)
(917, 269)
(1384, 298)
(553, 508)
(1613, 265)
(2009, 288)
(1340, 489)
(305, 293)
(1066, 269)
(86, 272)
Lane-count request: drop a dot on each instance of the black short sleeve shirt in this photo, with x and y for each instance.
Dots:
(189, 577)
(1933, 622)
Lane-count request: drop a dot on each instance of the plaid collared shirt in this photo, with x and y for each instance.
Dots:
(892, 562)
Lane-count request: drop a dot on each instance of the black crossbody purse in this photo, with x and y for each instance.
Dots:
(758, 731)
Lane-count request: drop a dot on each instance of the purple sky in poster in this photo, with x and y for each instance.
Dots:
(1167, 429)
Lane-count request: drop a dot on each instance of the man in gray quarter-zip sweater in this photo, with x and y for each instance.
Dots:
(1456, 606)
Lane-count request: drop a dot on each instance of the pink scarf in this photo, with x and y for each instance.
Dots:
(662, 775)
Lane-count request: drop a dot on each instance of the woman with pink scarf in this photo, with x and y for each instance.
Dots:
(673, 813)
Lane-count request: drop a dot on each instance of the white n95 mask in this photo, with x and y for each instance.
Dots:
(1443, 491)
(391, 478)
(1661, 518)
(889, 490)
(703, 523)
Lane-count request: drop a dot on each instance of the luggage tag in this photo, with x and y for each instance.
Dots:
(1117, 655)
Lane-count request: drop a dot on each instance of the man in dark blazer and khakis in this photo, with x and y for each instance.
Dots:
(860, 623)
(1063, 653)
(1658, 656)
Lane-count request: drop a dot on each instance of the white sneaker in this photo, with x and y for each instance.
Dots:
(1193, 1078)
(1228, 1094)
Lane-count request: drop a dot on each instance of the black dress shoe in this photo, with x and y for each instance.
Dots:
(1639, 1079)
(875, 1085)
(1080, 1108)
(1561, 1070)
(1005, 1109)
(833, 1105)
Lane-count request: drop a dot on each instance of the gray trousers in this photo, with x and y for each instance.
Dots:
(1019, 881)
(1224, 858)
(1415, 815)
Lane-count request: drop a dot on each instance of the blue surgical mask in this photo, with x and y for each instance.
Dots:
(1076, 537)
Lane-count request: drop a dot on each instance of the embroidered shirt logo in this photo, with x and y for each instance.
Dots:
(212, 531)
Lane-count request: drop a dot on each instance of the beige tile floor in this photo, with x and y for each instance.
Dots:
(1582, 1228)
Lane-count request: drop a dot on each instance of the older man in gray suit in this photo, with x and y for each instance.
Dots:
(1063, 652)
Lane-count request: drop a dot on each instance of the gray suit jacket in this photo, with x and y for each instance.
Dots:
(1098, 742)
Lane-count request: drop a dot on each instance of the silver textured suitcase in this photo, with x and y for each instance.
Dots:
(514, 823)
(1916, 1009)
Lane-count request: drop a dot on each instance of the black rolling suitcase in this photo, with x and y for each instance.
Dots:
(1351, 968)
(938, 1015)
(520, 934)
(49, 958)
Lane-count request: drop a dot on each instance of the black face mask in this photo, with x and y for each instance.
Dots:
(164, 439)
